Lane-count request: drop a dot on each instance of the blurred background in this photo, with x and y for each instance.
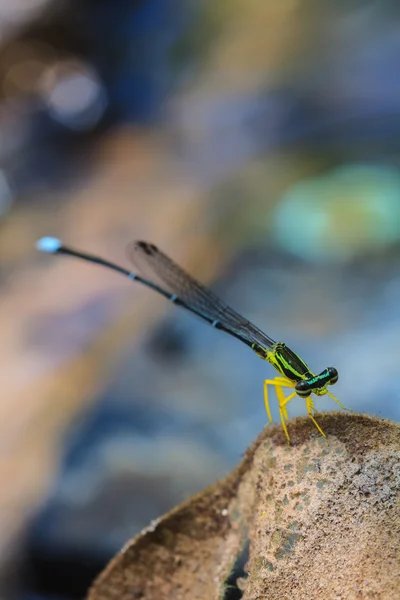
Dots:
(258, 144)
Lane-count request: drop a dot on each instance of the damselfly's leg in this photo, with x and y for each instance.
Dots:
(283, 410)
(310, 408)
(279, 383)
(338, 402)
(266, 401)
(283, 401)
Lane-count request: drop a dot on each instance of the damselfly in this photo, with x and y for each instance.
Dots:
(164, 276)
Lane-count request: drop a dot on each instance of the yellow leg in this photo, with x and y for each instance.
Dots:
(279, 383)
(339, 403)
(283, 401)
(283, 410)
(310, 409)
(266, 402)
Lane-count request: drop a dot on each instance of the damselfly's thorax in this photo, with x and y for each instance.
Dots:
(288, 363)
(291, 366)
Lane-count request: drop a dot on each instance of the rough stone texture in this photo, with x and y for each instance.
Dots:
(322, 517)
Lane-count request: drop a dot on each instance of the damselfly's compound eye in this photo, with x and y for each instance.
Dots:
(333, 375)
(302, 389)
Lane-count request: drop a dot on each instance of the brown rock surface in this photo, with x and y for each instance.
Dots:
(322, 517)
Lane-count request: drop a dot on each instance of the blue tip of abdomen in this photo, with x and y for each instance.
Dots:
(48, 244)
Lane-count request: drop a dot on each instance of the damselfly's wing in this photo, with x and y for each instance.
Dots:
(163, 271)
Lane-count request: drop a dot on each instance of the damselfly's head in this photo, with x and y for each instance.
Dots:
(317, 385)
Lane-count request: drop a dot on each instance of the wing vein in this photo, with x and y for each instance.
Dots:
(160, 269)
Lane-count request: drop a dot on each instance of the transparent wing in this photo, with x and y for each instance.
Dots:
(161, 270)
